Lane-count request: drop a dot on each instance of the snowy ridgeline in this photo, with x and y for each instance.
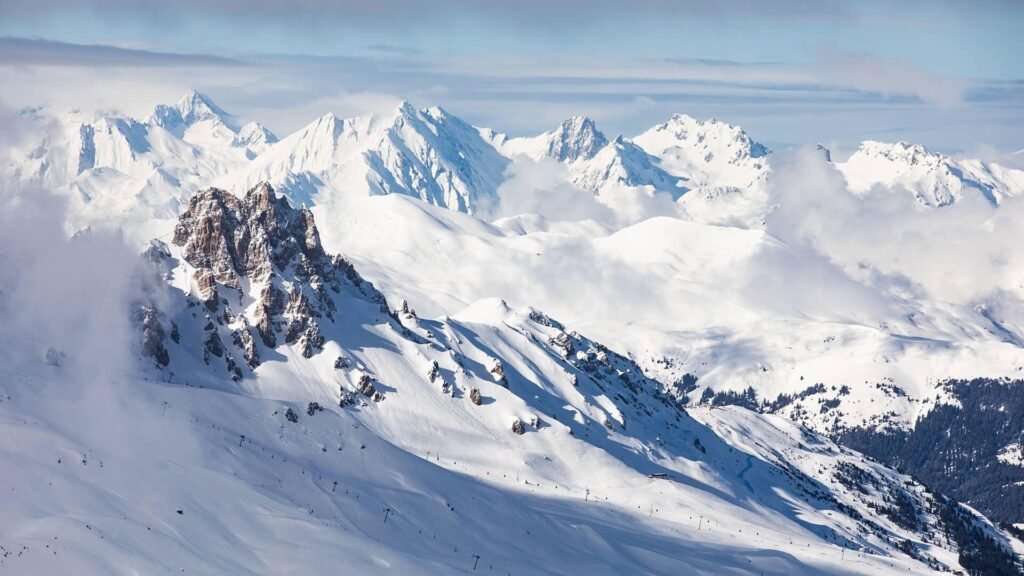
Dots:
(122, 170)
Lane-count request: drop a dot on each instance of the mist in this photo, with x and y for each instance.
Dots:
(545, 188)
(67, 339)
(966, 254)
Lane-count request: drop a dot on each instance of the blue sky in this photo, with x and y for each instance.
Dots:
(944, 73)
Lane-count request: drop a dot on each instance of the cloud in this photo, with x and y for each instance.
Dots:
(864, 98)
(895, 77)
(38, 52)
(393, 49)
(70, 349)
(388, 13)
(967, 253)
(543, 188)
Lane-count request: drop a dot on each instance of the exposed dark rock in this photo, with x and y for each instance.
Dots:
(276, 249)
(243, 339)
(366, 387)
(498, 371)
(153, 335)
(518, 427)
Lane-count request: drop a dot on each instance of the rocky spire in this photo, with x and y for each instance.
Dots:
(276, 249)
(576, 138)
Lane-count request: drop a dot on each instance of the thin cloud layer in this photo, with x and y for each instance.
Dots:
(851, 96)
(38, 52)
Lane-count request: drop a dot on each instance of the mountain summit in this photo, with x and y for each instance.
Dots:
(427, 154)
(576, 138)
(935, 180)
(193, 107)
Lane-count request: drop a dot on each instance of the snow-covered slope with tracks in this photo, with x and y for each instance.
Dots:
(289, 420)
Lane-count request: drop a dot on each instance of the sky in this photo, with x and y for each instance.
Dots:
(943, 73)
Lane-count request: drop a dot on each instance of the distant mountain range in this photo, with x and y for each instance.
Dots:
(338, 333)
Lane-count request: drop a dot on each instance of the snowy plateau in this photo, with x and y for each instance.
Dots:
(404, 344)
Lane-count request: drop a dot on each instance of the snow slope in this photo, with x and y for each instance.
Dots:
(685, 298)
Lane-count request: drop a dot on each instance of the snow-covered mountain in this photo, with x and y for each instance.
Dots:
(724, 168)
(707, 305)
(123, 171)
(594, 161)
(137, 174)
(934, 179)
(576, 138)
(709, 153)
(427, 154)
(281, 382)
(141, 174)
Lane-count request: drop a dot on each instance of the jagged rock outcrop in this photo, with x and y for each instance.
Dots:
(153, 334)
(366, 387)
(226, 238)
(518, 427)
(498, 371)
(576, 138)
(258, 248)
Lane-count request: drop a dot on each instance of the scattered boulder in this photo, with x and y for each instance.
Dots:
(435, 375)
(518, 427)
(366, 387)
(498, 371)
(53, 356)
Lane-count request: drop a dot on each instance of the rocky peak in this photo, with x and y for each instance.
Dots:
(191, 108)
(575, 138)
(251, 236)
(900, 153)
(256, 135)
(195, 106)
(713, 136)
(276, 248)
(824, 152)
(624, 163)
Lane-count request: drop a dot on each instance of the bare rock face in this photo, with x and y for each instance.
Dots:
(260, 250)
(518, 427)
(366, 387)
(243, 339)
(498, 371)
(435, 376)
(153, 335)
(226, 238)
